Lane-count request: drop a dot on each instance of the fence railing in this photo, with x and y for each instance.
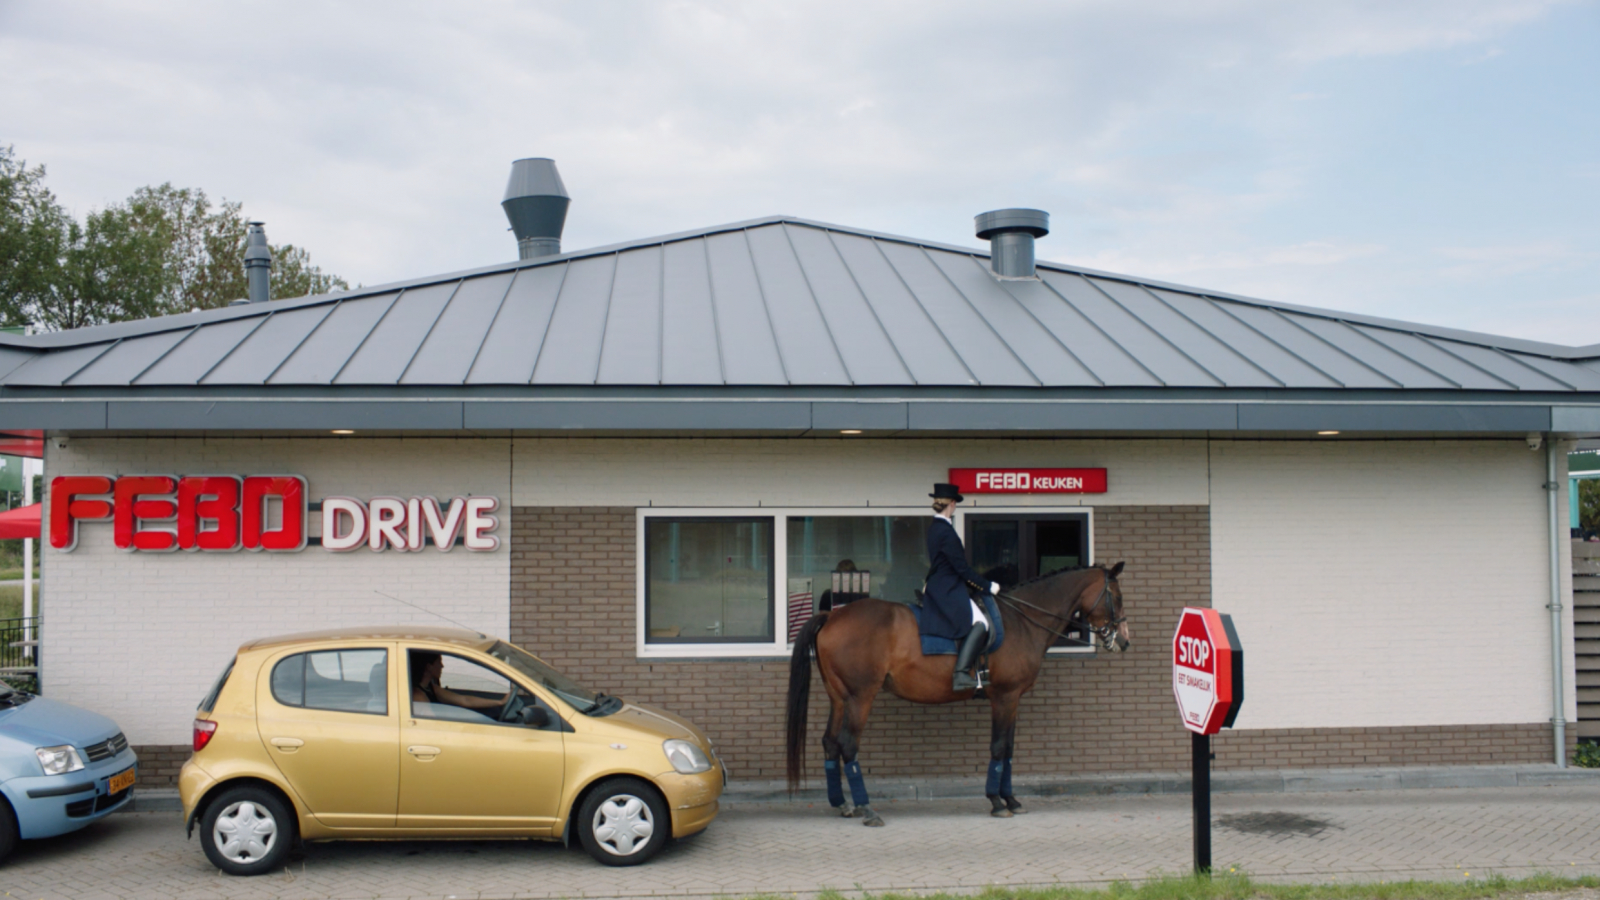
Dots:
(19, 648)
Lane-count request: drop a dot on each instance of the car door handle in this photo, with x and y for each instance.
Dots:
(288, 745)
(422, 752)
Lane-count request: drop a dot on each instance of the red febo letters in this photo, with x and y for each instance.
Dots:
(1029, 481)
(161, 513)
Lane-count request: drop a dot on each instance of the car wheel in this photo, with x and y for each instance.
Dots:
(8, 830)
(623, 822)
(247, 831)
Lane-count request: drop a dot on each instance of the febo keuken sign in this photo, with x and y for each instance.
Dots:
(1207, 670)
(162, 513)
(1029, 481)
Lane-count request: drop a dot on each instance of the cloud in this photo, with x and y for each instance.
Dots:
(1165, 136)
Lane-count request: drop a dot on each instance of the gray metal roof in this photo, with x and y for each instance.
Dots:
(784, 301)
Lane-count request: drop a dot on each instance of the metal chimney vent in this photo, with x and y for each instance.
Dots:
(536, 204)
(258, 263)
(1010, 233)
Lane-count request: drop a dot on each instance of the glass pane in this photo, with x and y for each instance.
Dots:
(836, 559)
(996, 551)
(1060, 544)
(708, 580)
(348, 680)
(289, 680)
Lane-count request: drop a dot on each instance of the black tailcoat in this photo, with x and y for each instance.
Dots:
(946, 602)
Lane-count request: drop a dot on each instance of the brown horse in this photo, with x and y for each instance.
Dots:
(873, 644)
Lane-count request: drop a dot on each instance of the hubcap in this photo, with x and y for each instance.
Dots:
(245, 832)
(623, 825)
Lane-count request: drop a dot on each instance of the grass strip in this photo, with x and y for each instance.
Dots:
(1235, 885)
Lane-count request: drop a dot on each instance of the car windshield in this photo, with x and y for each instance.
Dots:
(580, 697)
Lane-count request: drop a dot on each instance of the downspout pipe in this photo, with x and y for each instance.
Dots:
(1558, 650)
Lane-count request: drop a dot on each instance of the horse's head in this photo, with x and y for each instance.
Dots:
(1103, 612)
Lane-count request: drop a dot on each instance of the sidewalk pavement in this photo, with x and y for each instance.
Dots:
(760, 846)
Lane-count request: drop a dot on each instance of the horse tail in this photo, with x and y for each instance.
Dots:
(800, 696)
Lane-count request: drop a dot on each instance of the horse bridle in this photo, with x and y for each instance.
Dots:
(1077, 617)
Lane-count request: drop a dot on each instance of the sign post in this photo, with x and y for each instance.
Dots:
(1208, 682)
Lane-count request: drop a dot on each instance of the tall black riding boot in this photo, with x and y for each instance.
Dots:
(975, 641)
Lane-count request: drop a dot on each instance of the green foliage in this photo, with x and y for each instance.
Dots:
(163, 250)
(1229, 884)
(1589, 504)
(1587, 756)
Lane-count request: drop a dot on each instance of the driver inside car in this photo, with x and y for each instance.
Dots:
(426, 667)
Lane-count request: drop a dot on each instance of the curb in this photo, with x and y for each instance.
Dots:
(1278, 781)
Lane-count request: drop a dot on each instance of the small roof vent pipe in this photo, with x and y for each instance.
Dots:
(536, 204)
(1010, 233)
(258, 263)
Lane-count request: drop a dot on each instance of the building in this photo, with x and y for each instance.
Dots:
(666, 448)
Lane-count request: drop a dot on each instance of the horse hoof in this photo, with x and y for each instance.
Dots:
(873, 821)
(847, 811)
(1000, 813)
(1015, 806)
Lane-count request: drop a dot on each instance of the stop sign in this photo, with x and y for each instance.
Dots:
(1207, 670)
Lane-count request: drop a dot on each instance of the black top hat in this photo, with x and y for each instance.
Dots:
(942, 491)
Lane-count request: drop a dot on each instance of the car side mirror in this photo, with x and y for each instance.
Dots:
(535, 717)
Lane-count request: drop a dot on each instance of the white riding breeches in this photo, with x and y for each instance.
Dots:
(978, 618)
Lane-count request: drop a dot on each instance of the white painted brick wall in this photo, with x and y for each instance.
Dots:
(1385, 583)
(842, 472)
(141, 636)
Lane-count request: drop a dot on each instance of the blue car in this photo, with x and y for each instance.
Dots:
(61, 767)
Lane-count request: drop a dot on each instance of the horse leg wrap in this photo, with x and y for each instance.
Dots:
(858, 785)
(992, 787)
(835, 783)
(1005, 781)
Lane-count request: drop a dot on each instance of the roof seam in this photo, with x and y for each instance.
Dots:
(716, 323)
(867, 301)
(240, 343)
(1541, 374)
(1156, 331)
(164, 354)
(761, 292)
(1220, 307)
(1213, 335)
(368, 336)
(972, 376)
(1362, 330)
(822, 314)
(492, 320)
(1045, 328)
(1335, 347)
(981, 317)
(549, 320)
(332, 308)
(605, 320)
(1388, 349)
(1103, 333)
(96, 358)
(1451, 353)
(661, 317)
(431, 326)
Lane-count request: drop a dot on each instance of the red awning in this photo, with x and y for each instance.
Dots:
(22, 522)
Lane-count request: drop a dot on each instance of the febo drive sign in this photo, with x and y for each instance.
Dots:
(1207, 670)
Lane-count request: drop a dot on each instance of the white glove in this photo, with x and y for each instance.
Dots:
(994, 587)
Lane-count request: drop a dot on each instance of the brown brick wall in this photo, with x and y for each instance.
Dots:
(159, 764)
(572, 603)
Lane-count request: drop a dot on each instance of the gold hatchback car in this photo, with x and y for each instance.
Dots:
(414, 733)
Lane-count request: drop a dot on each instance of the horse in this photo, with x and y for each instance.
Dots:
(872, 644)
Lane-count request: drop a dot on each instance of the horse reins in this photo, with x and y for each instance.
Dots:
(1076, 616)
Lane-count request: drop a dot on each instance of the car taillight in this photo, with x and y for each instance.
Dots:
(203, 730)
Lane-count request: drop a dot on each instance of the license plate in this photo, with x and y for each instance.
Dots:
(121, 781)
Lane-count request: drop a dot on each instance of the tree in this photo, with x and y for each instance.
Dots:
(163, 250)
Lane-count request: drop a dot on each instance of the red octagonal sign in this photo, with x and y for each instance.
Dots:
(1207, 670)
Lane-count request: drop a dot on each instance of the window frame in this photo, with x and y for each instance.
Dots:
(772, 575)
(306, 664)
(779, 647)
(1086, 512)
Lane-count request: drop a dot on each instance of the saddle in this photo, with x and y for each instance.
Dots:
(940, 646)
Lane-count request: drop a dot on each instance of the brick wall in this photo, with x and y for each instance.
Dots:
(573, 603)
(159, 764)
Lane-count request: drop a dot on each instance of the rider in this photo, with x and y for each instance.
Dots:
(948, 608)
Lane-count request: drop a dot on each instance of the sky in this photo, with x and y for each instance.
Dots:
(1436, 161)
